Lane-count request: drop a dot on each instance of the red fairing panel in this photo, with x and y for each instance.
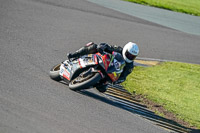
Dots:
(95, 59)
(106, 61)
(113, 76)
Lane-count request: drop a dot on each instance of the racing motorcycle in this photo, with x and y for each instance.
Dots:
(89, 70)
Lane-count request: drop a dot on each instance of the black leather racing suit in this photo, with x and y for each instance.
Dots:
(94, 48)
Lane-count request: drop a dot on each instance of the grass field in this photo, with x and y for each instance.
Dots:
(174, 85)
(184, 6)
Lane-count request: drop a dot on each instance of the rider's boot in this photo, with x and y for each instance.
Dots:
(77, 54)
(83, 51)
(102, 88)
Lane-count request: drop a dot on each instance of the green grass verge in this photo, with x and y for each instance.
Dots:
(174, 85)
(184, 6)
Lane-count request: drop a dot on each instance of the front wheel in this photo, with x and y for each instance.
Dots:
(80, 83)
(54, 73)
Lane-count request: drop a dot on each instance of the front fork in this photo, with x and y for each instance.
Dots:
(98, 71)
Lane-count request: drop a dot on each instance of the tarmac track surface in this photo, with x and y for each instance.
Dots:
(37, 34)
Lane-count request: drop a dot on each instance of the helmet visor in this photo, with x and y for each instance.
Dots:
(129, 55)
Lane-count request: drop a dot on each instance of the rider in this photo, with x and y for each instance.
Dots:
(129, 53)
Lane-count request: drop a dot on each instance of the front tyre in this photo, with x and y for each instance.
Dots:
(80, 83)
(54, 73)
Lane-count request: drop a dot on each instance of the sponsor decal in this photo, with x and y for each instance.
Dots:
(117, 65)
(62, 69)
(79, 63)
(82, 63)
(66, 74)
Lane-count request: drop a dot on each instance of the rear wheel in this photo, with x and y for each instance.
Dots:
(84, 82)
(54, 73)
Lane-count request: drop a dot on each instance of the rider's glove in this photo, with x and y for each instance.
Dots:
(99, 50)
(101, 47)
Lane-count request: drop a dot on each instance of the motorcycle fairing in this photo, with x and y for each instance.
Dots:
(65, 70)
(69, 69)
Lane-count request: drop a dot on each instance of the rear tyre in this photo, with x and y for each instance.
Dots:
(54, 73)
(80, 83)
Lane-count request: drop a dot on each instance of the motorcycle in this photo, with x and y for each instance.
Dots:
(89, 70)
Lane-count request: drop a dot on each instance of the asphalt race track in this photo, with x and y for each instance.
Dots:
(37, 34)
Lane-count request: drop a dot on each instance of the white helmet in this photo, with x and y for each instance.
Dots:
(130, 52)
